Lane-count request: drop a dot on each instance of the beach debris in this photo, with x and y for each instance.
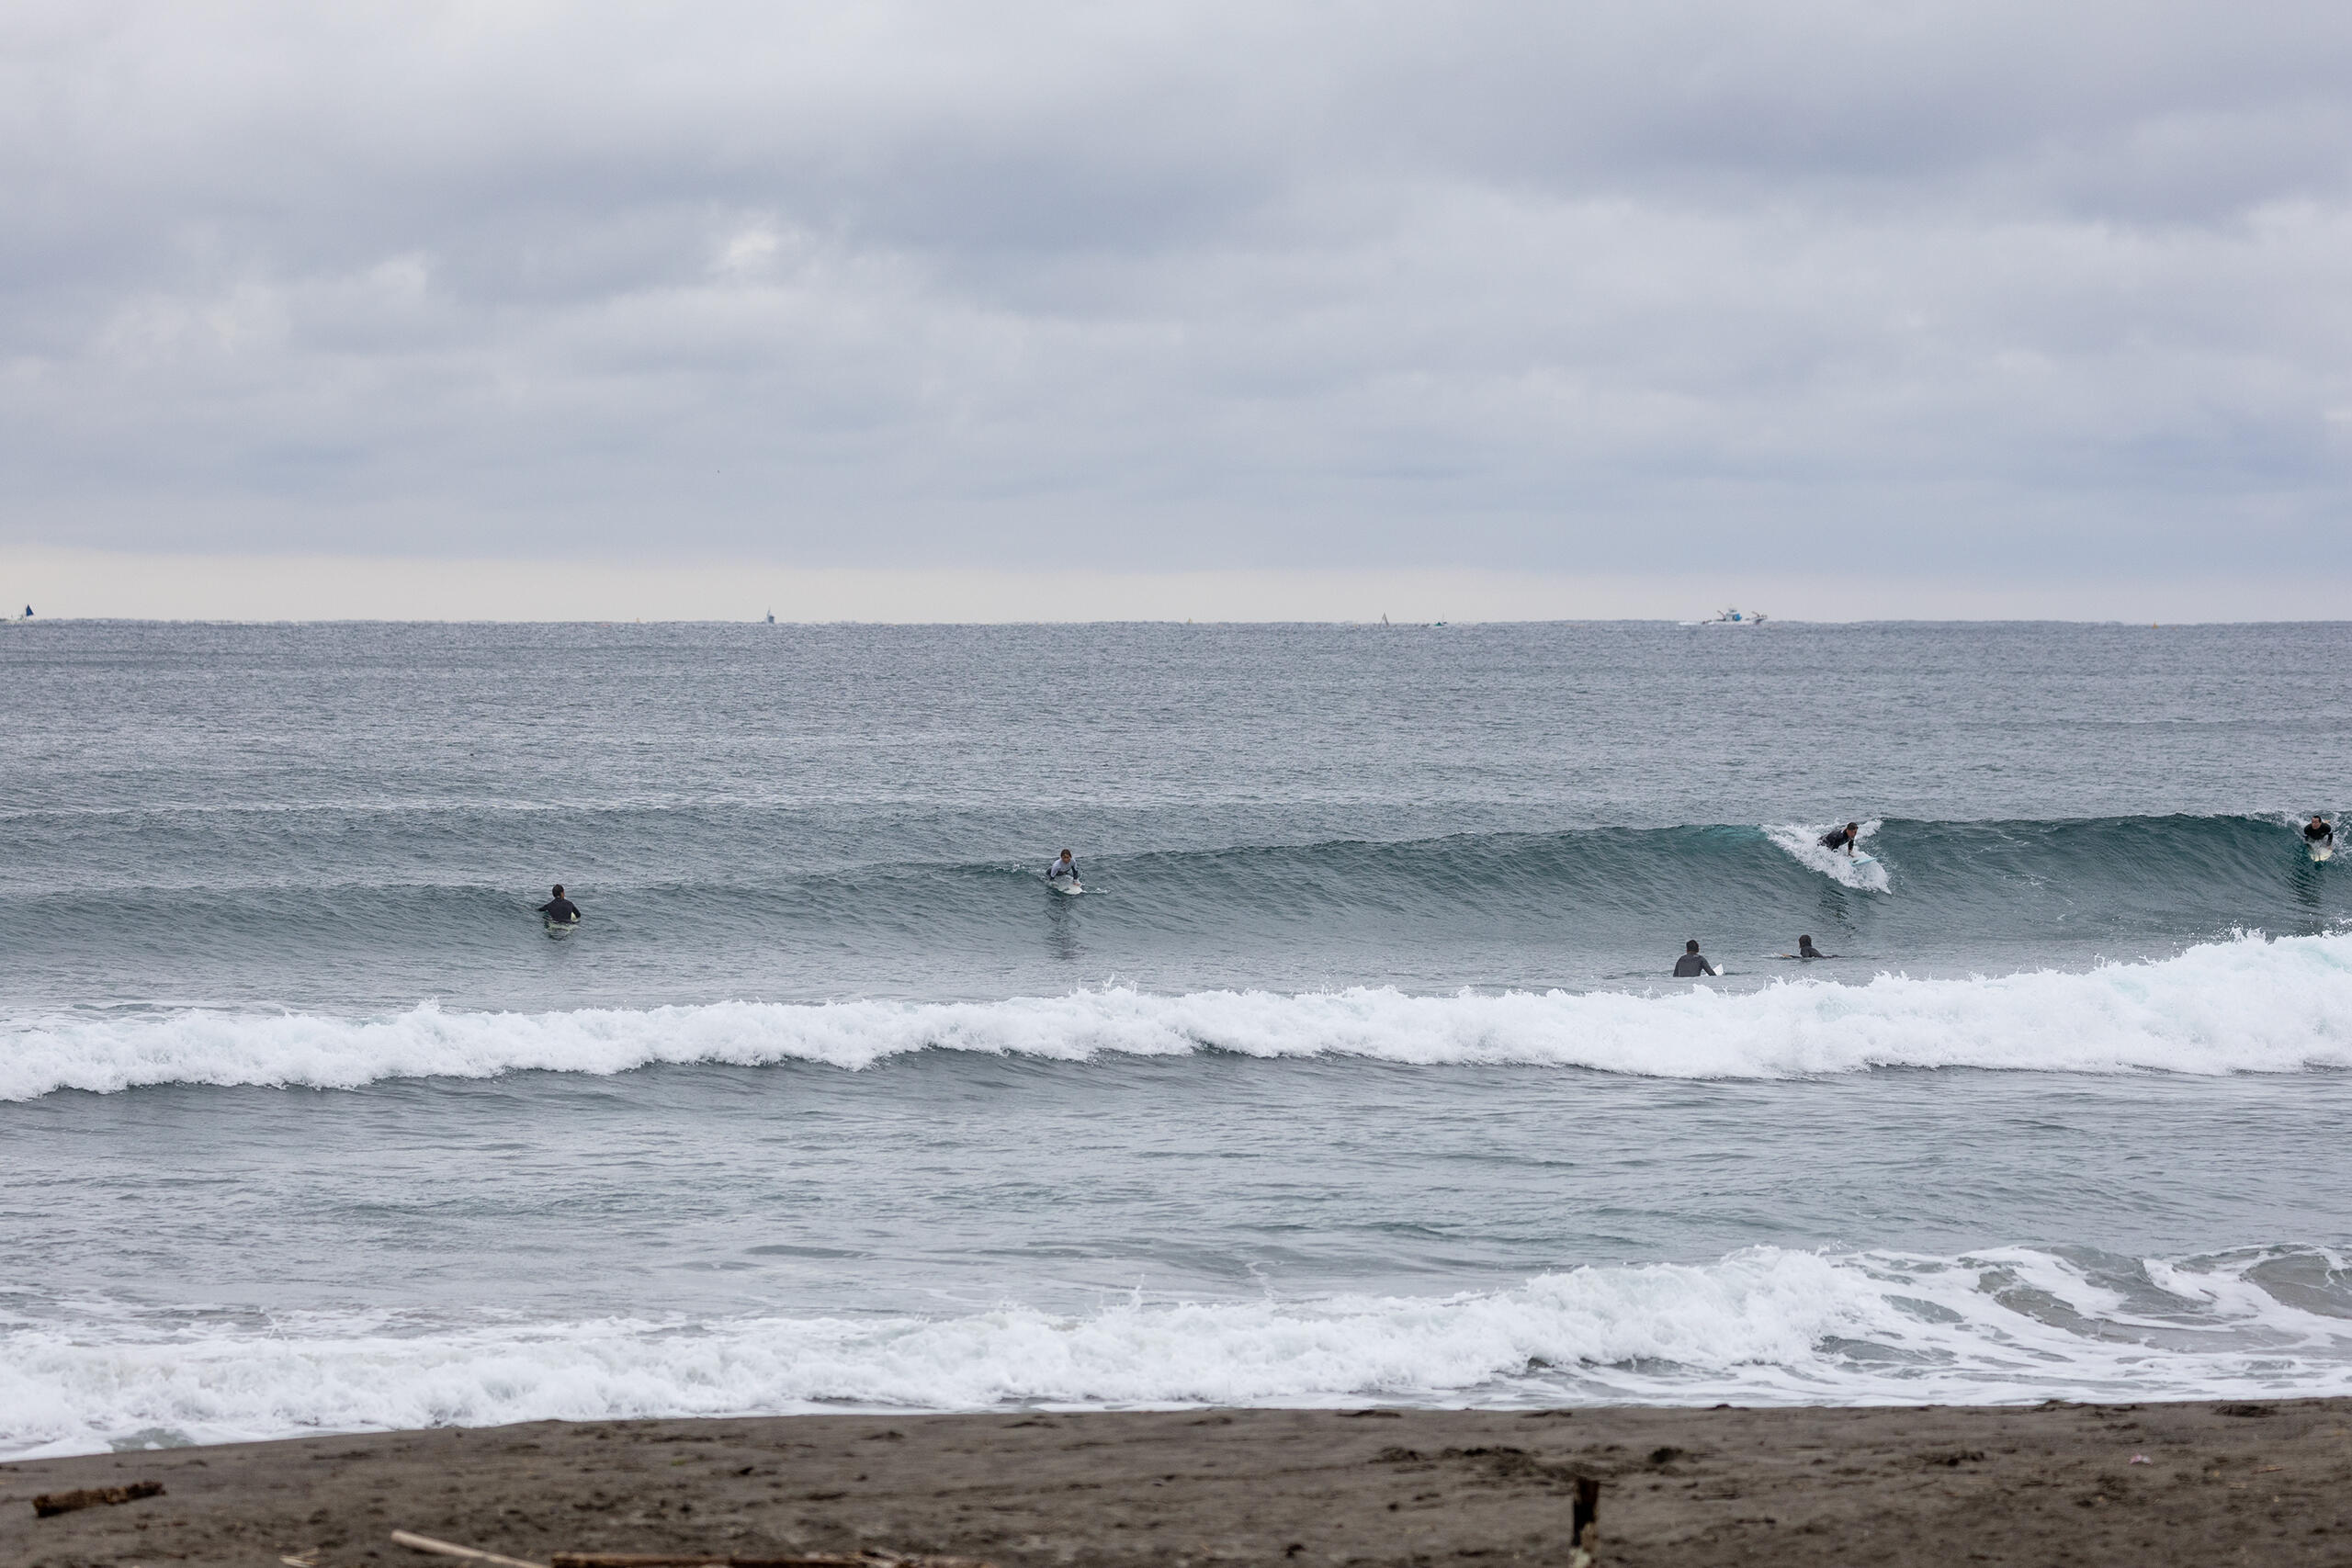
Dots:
(681, 1558)
(719, 1559)
(2141, 1458)
(450, 1548)
(49, 1504)
(1584, 1524)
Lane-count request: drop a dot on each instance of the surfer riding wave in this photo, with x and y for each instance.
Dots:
(1836, 849)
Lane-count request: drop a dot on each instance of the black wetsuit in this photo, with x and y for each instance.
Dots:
(1807, 950)
(562, 911)
(1691, 964)
(2320, 833)
(1837, 840)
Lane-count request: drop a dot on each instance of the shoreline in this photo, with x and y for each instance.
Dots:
(2221, 1481)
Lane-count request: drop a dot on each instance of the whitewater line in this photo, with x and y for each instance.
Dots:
(2246, 1005)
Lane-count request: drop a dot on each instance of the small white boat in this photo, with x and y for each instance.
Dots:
(1733, 617)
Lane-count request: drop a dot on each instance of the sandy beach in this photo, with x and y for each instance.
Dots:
(2221, 1482)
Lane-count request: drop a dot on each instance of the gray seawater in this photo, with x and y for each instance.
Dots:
(1356, 1075)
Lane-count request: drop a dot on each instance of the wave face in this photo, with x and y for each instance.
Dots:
(2247, 1005)
(1588, 909)
(1764, 1325)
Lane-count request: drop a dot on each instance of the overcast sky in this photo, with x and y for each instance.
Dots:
(1985, 290)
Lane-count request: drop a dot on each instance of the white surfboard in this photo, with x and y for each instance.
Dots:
(560, 929)
(1861, 858)
(1066, 886)
(2322, 853)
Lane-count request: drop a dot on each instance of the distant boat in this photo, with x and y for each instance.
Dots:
(1733, 618)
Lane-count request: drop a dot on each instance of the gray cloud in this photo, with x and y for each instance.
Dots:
(1963, 286)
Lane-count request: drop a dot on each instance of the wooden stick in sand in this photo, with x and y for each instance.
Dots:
(680, 1558)
(450, 1548)
(1584, 1524)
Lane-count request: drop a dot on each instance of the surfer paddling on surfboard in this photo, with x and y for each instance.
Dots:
(560, 910)
(1690, 964)
(1062, 875)
(1842, 837)
(2319, 838)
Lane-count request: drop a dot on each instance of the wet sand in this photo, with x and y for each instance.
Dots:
(2229, 1483)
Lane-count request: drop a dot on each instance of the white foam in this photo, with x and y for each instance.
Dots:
(1762, 1325)
(1802, 842)
(2247, 1005)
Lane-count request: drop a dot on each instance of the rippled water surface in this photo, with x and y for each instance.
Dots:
(1356, 1074)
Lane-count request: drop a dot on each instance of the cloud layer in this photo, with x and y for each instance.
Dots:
(1955, 287)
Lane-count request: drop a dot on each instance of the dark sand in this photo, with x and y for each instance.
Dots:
(2225, 1484)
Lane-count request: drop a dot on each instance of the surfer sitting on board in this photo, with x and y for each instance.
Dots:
(1842, 837)
(1690, 964)
(1063, 870)
(2319, 835)
(560, 910)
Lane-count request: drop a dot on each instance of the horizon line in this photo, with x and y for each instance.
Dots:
(256, 588)
(1143, 621)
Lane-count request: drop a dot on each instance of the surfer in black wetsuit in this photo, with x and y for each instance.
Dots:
(1842, 837)
(1691, 965)
(2319, 835)
(1807, 950)
(560, 910)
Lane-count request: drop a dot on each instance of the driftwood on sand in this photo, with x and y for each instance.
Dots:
(53, 1502)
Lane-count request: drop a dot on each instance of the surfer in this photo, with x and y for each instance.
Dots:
(560, 910)
(1690, 964)
(1807, 950)
(1063, 870)
(1842, 837)
(2318, 834)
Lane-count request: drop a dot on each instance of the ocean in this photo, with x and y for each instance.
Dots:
(1357, 1075)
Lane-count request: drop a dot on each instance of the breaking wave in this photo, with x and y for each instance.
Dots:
(1763, 1325)
(2251, 1004)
